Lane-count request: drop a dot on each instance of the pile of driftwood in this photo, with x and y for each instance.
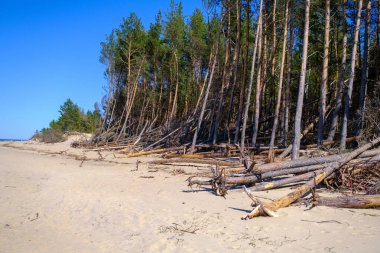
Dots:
(357, 171)
(227, 166)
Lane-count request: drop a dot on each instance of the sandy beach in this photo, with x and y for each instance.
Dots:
(54, 198)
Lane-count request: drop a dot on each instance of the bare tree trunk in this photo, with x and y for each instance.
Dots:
(174, 108)
(377, 77)
(261, 81)
(347, 102)
(271, 88)
(204, 101)
(130, 101)
(235, 64)
(339, 94)
(204, 84)
(325, 76)
(363, 86)
(259, 87)
(365, 201)
(302, 190)
(301, 89)
(244, 74)
(248, 96)
(279, 91)
(110, 87)
(289, 76)
(225, 76)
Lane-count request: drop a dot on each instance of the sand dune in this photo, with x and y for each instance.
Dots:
(57, 199)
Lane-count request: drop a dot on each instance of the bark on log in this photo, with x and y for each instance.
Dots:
(285, 181)
(200, 161)
(198, 155)
(367, 201)
(155, 151)
(260, 169)
(303, 189)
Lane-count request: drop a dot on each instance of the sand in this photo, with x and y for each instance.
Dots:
(52, 200)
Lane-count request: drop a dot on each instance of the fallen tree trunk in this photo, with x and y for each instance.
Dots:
(309, 168)
(163, 138)
(251, 179)
(367, 201)
(269, 208)
(260, 169)
(199, 161)
(196, 155)
(155, 151)
(285, 181)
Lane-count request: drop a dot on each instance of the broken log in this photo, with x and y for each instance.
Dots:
(196, 155)
(259, 169)
(251, 179)
(366, 201)
(285, 181)
(155, 151)
(305, 188)
(198, 161)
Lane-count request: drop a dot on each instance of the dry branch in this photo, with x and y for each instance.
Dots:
(302, 190)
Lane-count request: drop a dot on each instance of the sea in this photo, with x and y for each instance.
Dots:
(11, 140)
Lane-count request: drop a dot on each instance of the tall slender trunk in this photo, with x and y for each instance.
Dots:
(244, 74)
(342, 74)
(248, 96)
(174, 108)
(130, 101)
(204, 101)
(110, 87)
(225, 76)
(204, 84)
(271, 88)
(289, 75)
(262, 82)
(279, 91)
(234, 67)
(325, 76)
(363, 87)
(347, 101)
(258, 90)
(301, 88)
(377, 71)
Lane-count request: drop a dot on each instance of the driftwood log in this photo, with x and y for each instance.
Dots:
(366, 201)
(268, 208)
(259, 169)
(248, 178)
(198, 161)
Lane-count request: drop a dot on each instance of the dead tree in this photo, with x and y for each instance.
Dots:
(363, 86)
(279, 89)
(325, 76)
(301, 88)
(244, 74)
(204, 102)
(269, 208)
(342, 74)
(248, 96)
(347, 102)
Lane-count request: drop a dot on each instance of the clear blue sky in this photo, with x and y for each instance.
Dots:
(50, 52)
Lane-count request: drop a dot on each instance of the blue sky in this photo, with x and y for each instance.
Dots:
(50, 52)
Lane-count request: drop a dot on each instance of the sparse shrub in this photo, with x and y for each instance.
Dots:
(48, 135)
